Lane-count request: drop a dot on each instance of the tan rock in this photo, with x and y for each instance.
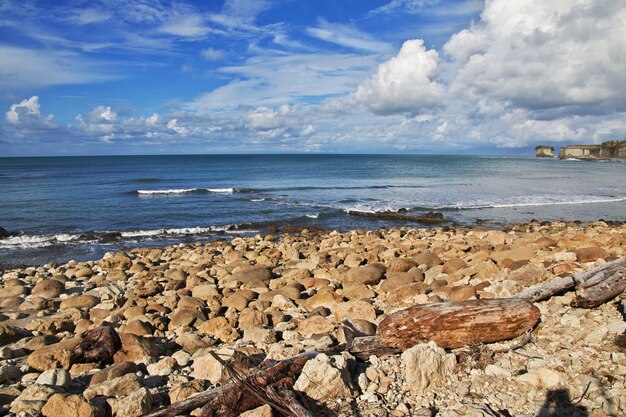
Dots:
(545, 242)
(32, 399)
(395, 280)
(323, 379)
(10, 334)
(250, 317)
(453, 265)
(14, 291)
(81, 302)
(185, 390)
(315, 325)
(591, 254)
(399, 265)
(529, 275)
(114, 371)
(208, 368)
(356, 309)
(186, 317)
(60, 405)
(262, 411)
(461, 293)
(117, 387)
(140, 328)
(407, 292)
(57, 355)
(353, 291)
(135, 349)
(427, 366)
(205, 292)
(116, 275)
(517, 254)
(236, 301)
(48, 289)
(136, 404)
(429, 259)
(368, 275)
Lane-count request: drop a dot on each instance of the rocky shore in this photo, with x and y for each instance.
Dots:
(166, 312)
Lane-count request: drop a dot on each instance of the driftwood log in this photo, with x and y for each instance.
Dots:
(227, 398)
(456, 324)
(593, 287)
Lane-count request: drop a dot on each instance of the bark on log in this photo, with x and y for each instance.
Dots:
(456, 324)
(264, 377)
(606, 290)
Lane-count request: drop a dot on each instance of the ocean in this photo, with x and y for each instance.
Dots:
(61, 208)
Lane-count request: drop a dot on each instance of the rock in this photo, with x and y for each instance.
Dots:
(453, 265)
(541, 378)
(185, 390)
(493, 370)
(315, 325)
(426, 366)
(564, 257)
(259, 335)
(139, 328)
(528, 275)
(205, 292)
(368, 275)
(84, 273)
(219, 328)
(191, 343)
(186, 317)
(208, 368)
(10, 334)
(133, 405)
(399, 265)
(9, 372)
(81, 302)
(114, 371)
(545, 242)
(323, 379)
(48, 289)
(13, 291)
(98, 345)
(4, 233)
(395, 281)
(356, 309)
(135, 349)
(116, 275)
(523, 253)
(429, 259)
(56, 378)
(236, 301)
(117, 387)
(461, 292)
(162, 367)
(57, 355)
(591, 254)
(32, 399)
(38, 342)
(262, 411)
(60, 405)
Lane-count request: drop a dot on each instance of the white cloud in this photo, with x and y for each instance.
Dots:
(347, 36)
(173, 125)
(24, 110)
(405, 83)
(212, 54)
(152, 120)
(245, 9)
(102, 114)
(543, 55)
(186, 26)
(92, 15)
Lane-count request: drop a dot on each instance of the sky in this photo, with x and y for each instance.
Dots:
(109, 77)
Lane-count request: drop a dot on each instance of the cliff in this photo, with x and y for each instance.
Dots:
(544, 151)
(604, 151)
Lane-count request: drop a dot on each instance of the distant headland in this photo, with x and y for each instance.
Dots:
(605, 151)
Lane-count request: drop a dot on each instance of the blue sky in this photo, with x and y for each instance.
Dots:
(239, 76)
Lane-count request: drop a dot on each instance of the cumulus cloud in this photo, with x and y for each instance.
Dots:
(405, 83)
(25, 110)
(186, 26)
(543, 55)
(102, 114)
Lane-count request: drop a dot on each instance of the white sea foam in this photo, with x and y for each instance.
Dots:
(312, 216)
(535, 203)
(187, 190)
(35, 241)
(257, 199)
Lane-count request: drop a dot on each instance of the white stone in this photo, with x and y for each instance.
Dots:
(321, 379)
(55, 377)
(134, 405)
(564, 257)
(597, 336)
(493, 370)
(426, 366)
(542, 378)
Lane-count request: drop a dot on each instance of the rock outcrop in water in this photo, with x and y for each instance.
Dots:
(544, 151)
(604, 151)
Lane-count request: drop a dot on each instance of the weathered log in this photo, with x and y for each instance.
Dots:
(598, 294)
(288, 399)
(456, 324)
(267, 376)
(583, 279)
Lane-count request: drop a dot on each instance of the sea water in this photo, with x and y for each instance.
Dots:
(61, 208)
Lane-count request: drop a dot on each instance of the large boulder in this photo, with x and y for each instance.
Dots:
(369, 275)
(48, 289)
(591, 254)
(60, 405)
(325, 378)
(426, 366)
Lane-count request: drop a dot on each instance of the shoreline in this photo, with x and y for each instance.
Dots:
(279, 295)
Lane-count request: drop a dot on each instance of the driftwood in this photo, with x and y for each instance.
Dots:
(98, 345)
(456, 324)
(599, 284)
(221, 397)
(598, 294)
(430, 217)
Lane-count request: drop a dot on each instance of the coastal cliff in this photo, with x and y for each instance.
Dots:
(544, 151)
(604, 151)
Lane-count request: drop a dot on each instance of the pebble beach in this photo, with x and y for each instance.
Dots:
(271, 297)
